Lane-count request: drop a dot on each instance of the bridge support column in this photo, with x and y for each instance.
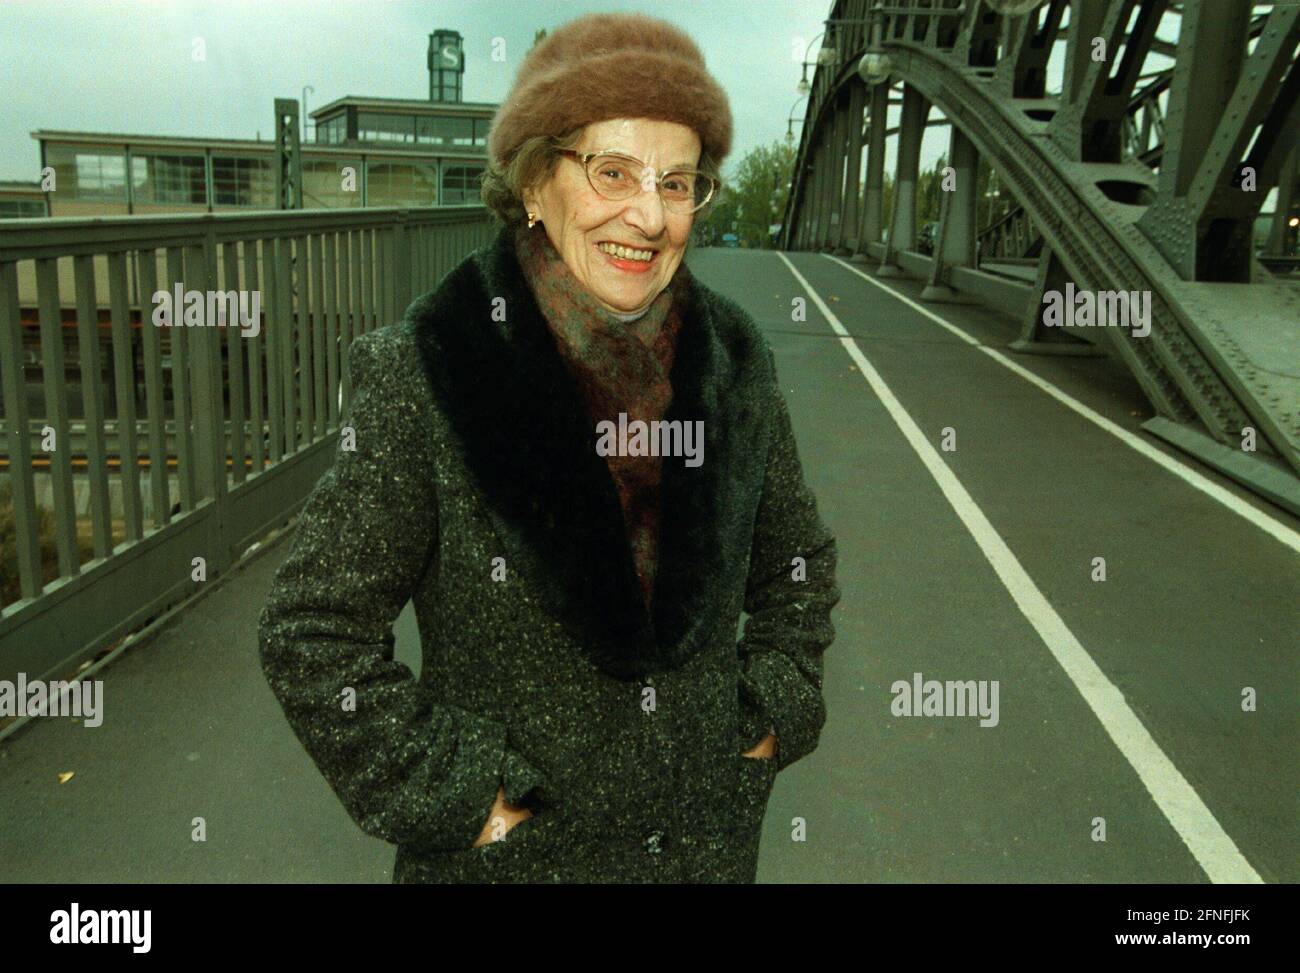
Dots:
(874, 195)
(810, 199)
(955, 246)
(830, 160)
(1204, 215)
(814, 197)
(799, 232)
(808, 206)
(902, 225)
(839, 185)
(822, 237)
(1035, 338)
(851, 230)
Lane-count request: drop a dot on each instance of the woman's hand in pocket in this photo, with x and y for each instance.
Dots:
(766, 748)
(503, 816)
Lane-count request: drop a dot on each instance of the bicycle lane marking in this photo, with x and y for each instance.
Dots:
(1270, 525)
(1211, 846)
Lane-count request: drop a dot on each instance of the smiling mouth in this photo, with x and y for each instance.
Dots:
(633, 257)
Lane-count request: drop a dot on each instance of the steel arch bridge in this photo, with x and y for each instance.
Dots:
(1125, 179)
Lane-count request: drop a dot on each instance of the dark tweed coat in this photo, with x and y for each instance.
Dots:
(475, 490)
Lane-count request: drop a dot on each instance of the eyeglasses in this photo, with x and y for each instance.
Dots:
(617, 176)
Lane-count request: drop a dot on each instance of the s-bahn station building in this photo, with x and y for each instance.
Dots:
(363, 151)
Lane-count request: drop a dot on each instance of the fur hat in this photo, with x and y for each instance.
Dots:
(604, 66)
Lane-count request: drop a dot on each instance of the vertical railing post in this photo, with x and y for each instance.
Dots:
(92, 382)
(252, 283)
(160, 504)
(401, 267)
(208, 408)
(20, 455)
(182, 399)
(285, 340)
(56, 415)
(331, 283)
(234, 335)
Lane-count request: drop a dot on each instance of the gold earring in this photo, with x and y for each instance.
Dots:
(532, 218)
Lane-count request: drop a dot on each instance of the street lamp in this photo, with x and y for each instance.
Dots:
(825, 56)
(789, 119)
(875, 67)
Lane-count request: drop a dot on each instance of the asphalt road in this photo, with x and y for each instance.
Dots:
(1130, 710)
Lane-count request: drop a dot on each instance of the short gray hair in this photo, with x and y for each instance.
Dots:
(532, 163)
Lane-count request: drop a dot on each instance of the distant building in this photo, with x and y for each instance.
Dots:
(400, 152)
(21, 200)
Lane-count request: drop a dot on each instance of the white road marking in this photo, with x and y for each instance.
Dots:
(1270, 525)
(1213, 849)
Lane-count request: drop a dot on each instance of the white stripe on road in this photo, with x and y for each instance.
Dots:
(1270, 525)
(1216, 853)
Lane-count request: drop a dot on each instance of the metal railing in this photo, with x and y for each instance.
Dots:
(223, 439)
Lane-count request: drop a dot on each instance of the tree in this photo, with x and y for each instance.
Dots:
(929, 190)
(720, 216)
(993, 202)
(753, 196)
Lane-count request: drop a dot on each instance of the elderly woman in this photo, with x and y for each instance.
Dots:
(575, 459)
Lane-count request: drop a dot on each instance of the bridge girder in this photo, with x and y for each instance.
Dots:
(1080, 164)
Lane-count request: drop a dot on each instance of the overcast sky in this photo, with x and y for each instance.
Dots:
(126, 66)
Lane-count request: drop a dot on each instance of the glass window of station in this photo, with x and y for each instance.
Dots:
(242, 181)
(332, 130)
(421, 129)
(460, 184)
(88, 173)
(169, 179)
(172, 181)
(21, 209)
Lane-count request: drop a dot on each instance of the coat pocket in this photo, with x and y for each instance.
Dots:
(522, 855)
(516, 835)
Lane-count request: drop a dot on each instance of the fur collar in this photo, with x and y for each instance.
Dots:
(530, 446)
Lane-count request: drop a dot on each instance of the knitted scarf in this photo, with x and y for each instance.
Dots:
(619, 367)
